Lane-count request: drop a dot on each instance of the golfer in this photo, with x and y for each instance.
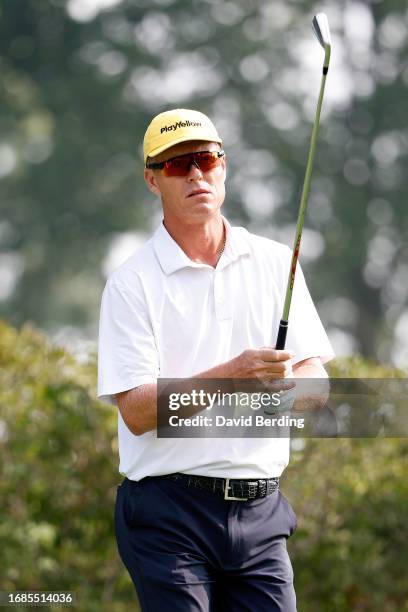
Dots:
(201, 524)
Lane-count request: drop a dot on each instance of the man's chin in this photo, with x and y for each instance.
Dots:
(205, 209)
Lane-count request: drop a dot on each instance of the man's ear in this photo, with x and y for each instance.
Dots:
(150, 180)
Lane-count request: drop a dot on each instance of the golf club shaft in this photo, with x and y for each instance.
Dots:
(283, 326)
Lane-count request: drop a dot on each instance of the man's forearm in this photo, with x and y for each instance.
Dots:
(138, 406)
(321, 386)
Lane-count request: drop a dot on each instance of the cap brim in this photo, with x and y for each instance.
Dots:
(158, 150)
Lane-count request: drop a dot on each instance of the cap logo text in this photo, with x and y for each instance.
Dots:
(179, 124)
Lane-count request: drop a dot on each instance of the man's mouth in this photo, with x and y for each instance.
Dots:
(198, 192)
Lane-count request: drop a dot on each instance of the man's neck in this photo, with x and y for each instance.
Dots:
(202, 243)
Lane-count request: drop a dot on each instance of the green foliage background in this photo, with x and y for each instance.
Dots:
(58, 454)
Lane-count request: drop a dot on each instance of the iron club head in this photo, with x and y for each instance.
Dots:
(322, 31)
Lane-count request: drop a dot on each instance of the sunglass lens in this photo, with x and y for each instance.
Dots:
(207, 161)
(180, 166)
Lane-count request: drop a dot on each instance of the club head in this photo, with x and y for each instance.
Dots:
(321, 29)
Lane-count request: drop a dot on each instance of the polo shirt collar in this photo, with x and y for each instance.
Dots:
(172, 258)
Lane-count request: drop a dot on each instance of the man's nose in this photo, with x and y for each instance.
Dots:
(194, 172)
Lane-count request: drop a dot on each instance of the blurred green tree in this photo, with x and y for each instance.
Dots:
(81, 80)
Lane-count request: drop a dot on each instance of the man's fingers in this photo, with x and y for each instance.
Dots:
(274, 355)
(273, 367)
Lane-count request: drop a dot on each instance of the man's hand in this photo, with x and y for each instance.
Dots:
(265, 364)
(265, 368)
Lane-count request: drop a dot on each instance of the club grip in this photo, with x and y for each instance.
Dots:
(281, 340)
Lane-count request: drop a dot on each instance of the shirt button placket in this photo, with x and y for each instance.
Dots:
(219, 297)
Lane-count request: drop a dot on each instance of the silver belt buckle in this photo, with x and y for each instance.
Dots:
(227, 488)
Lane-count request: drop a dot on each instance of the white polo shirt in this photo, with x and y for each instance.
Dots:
(163, 315)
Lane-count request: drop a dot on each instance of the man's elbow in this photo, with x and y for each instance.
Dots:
(135, 428)
(136, 409)
(129, 413)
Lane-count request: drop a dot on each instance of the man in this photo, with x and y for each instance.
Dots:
(200, 523)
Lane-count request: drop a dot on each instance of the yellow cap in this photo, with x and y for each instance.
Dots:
(174, 126)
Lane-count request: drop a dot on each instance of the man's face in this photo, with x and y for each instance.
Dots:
(193, 198)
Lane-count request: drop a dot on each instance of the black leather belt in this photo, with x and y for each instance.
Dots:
(230, 488)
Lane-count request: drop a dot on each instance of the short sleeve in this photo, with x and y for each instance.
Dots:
(127, 352)
(306, 334)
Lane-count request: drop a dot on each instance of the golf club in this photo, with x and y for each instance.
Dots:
(321, 29)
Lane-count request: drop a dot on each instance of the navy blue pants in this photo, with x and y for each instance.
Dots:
(190, 550)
